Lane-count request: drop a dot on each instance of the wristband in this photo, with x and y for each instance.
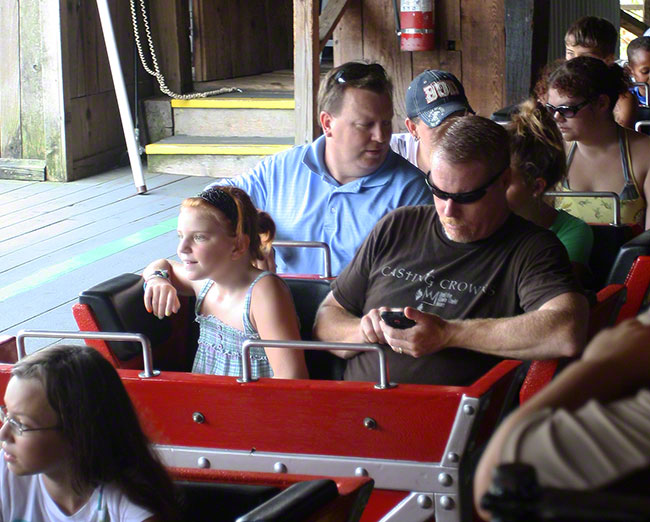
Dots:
(156, 273)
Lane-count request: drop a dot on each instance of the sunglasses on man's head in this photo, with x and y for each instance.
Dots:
(356, 71)
(462, 197)
(567, 111)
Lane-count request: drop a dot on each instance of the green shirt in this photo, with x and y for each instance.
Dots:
(575, 235)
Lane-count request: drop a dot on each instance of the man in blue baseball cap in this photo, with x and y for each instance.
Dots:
(431, 98)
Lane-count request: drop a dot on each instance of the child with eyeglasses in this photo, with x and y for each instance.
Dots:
(72, 445)
(220, 235)
(602, 156)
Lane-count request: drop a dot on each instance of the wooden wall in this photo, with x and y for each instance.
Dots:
(241, 38)
(57, 102)
(94, 130)
(470, 42)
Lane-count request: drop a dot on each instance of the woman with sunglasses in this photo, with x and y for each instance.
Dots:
(72, 446)
(602, 156)
(537, 163)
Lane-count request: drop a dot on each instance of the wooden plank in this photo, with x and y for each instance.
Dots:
(632, 24)
(331, 15)
(348, 45)
(206, 165)
(483, 54)
(55, 92)
(10, 125)
(306, 69)
(24, 169)
(382, 45)
(279, 25)
(31, 98)
(212, 32)
(170, 24)
(231, 122)
(646, 11)
(519, 45)
(95, 125)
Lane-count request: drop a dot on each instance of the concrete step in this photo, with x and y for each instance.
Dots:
(211, 156)
(269, 113)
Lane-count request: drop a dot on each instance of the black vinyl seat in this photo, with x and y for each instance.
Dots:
(118, 306)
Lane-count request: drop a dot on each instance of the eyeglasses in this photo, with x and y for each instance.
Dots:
(356, 71)
(567, 111)
(462, 197)
(19, 427)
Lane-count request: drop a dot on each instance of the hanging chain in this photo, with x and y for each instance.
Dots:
(156, 72)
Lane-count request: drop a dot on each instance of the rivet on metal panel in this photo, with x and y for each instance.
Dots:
(198, 417)
(203, 463)
(453, 457)
(361, 472)
(370, 423)
(447, 502)
(424, 501)
(468, 409)
(279, 467)
(445, 479)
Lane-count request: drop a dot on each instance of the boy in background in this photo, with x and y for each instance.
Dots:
(638, 58)
(598, 38)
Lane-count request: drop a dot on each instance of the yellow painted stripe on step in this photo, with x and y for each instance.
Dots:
(235, 103)
(216, 148)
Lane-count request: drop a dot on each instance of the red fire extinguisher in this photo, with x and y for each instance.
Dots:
(415, 25)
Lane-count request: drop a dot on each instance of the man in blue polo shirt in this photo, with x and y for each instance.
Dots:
(335, 189)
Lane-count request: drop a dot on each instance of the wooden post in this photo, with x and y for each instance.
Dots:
(11, 144)
(170, 20)
(526, 23)
(32, 100)
(646, 12)
(306, 69)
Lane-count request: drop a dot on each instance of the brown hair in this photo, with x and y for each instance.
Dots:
(473, 138)
(255, 224)
(593, 33)
(100, 425)
(358, 75)
(536, 145)
(585, 77)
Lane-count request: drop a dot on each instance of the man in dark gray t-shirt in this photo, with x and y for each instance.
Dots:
(480, 282)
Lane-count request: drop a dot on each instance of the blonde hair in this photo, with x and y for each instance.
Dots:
(536, 145)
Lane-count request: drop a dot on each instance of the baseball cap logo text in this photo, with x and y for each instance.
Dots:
(436, 90)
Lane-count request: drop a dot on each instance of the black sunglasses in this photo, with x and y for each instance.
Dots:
(567, 111)
(462, 197)
(356, 71)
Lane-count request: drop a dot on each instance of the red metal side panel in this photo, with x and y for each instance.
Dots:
(636, 282)
(315, 417)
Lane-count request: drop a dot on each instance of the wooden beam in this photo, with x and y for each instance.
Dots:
(527, 25)
(22, 169)
(329, 18)
(634, 25)
(646, 11)
(306, 69)
(170, 21)
(11, 145)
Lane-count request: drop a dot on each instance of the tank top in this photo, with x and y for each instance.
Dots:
(219, 346)
(600, 210)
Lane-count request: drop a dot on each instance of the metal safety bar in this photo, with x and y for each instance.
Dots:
(645, 105)
(579, 194)
(104, 336)
(641, 123)
(383, 383)
(327, 256)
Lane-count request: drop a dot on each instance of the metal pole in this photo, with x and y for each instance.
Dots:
(122, 97)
